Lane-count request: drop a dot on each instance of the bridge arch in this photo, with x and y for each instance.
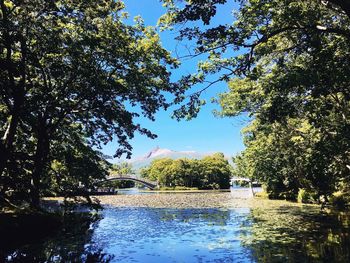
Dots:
(149, 184)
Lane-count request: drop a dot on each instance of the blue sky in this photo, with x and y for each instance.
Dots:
(206, 133)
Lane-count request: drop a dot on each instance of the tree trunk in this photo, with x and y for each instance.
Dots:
(40, 161)
(3, 157)
(15, 89)
(6, 147)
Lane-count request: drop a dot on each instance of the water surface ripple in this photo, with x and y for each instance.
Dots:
(197, 227)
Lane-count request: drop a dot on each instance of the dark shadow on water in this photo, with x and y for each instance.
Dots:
(49, 238)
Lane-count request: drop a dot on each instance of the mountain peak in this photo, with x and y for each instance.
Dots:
(157, 152)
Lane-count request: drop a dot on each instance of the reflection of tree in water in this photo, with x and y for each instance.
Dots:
(210, 216)
(295, 234)
(269, 234)
(67, 244)
(144, 224)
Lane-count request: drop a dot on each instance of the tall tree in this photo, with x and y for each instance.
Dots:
(68, 66)
(287, 64)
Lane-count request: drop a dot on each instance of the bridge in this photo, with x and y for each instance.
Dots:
(241, 179)
(129, 177)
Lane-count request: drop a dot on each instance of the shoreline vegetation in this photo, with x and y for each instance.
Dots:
(211, 172)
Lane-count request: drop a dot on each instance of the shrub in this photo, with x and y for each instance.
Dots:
(305, 196)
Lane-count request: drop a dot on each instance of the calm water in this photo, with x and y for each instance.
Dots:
(169, 235)
(271, 232)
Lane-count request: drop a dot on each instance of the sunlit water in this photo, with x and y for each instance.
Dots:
(173, 235)
(266, 231)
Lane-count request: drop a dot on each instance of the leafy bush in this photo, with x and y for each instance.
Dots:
(306, 196)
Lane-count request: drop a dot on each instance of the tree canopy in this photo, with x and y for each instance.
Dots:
(211, 172)
(74, 75)
(287, 64)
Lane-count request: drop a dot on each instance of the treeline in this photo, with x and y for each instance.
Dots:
(292, 76)
(211, 172)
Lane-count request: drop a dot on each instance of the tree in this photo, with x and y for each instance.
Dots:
(216, 172)
(73, 67)
(158, 171)
(74, 168)
(287, 64)
(212, 172)
(123, 168)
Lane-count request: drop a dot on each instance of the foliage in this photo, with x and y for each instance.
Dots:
(73, 76)
(123, 168)
(74, 168)
(118, 184)
(305, 196)
(287, 63)
(340, 199)
(277, 233)
(212, 172)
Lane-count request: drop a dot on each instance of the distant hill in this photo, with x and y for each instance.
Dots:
(158, 153)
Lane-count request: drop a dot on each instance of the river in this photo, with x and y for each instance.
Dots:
(197, 227)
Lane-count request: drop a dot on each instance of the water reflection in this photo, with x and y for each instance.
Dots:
(291, 234)
(173, 235)
(272, 232)
(298, 235)
(67, 244)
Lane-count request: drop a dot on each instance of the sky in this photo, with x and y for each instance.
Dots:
(206, 133)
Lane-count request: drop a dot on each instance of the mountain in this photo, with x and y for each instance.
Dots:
(158, 153)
